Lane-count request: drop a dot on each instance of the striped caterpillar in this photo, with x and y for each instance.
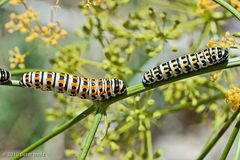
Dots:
(94, 89)
(185, 64)
(4, 76)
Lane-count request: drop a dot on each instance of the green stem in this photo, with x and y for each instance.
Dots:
(92, 132)
(3, 2)
(149, 139)
(55, 132)
(214, 140)
(230, 141)
(237, 155)
(229, 8)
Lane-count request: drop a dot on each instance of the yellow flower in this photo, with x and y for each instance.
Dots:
(45, 30)
(63, 32)
(227, 41)
(31, 37)
(227, 34)
(233, 97)
(27, 23)
(16, 58)
(16, 2)
(52, 33)
(215, 76)
(211, 43)
(205, 5)
(235, 4)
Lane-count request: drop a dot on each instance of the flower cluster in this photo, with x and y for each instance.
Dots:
(205, 6)
(16, 2)
(68, 58)
(21, 22)
(16, 59)
(50, 34)
(216, 75)
(86, 4)
(233, 97)
(27, 23)
(226, 41)
(236, 4)
(182, 92)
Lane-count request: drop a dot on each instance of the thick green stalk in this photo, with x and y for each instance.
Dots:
(55, 132)
(92, 132)
(229, 8)
(230, 141)
(3, 2)
(214, 140)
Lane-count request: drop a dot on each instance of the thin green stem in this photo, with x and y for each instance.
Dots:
(204, 33)
(175, 7)
(229, 8)
(237, 155)
(3, 2)
(91, 62)
(92, 132)
(149, 139)
(55, 132)
(230, 141)
(219, 134)
(125, 127)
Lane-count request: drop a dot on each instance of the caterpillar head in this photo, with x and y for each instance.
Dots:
(222, 54)
(225, 53)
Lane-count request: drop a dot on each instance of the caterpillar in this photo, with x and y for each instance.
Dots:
(185, 64)
(4, 76)
(94, 89)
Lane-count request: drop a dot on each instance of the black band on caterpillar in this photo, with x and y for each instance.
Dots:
(4, 76)
(185, 64)
(95, 89)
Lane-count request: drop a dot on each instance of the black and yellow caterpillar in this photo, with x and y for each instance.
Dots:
(185, 64)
